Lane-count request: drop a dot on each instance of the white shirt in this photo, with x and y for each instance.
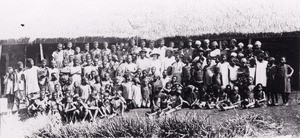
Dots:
(157, 64)
(143, 63)
(177, 67)
(166, 62)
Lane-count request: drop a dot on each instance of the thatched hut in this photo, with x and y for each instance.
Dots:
(275, 22)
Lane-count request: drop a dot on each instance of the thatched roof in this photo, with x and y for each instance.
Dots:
(148, 19)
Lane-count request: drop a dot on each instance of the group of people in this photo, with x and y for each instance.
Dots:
(82, 84)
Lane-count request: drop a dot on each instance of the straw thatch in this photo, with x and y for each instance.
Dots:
(148, 19)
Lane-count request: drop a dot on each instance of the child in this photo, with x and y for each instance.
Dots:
(285, 74)
(260, 96)
(79, 110)
(85, 89)
(53, 81)
(39, 105)
(249, 100)
(217, 77)
(76, 89)
(136, 92)
(127, 89)
(167, 89)
(118, 104)
(9, 88)
(20, 85)
(165, 78)
(92, 103)
(222, 99)
(146, 91)
(197, 75)
(55, 106)
(210, 98)
(233, 68)
(235, 100)
(186, 72)
(97, 85)
(175, 104)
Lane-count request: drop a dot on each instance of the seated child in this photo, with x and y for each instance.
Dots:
(174, 104)
(222, 99)
(249, 100)
(92, 103)
(118, 104)
(38, 105)
(55, 105)
(235, 100)
(80, 110)
(260, 96)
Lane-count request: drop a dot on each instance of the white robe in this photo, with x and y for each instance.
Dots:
(261, 73)
(224, 71)
(31, 77)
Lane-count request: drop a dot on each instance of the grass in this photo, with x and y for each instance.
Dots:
(181, 124)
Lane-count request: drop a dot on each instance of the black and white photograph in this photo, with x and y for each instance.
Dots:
(150, 68)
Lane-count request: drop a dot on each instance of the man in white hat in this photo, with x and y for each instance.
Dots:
(257, 48)
(143, 61)
(206, 47)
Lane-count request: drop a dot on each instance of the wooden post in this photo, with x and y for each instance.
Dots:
(41, 51)
(250, 41)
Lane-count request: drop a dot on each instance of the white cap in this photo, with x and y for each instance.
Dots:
(257, 43)
(198, 42)
(206, 40)
(233, 54)
(250, 46)
(241, 44)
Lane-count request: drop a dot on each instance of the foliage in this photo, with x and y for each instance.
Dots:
(178, 125)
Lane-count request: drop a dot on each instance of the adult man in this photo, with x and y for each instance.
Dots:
(189, 50)
(68, 51)
(168, 60)
(96, 51)
(86, 51)
(161, 48)
(105, 51)
(257, 49)
(206, 47)
(143, 62)
(31, 79)
(177, 67)
(58, 55)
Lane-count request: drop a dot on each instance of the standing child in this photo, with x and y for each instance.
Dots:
(136, 92)
(9, 81)
(146, 91)
(285, 74)
(127, 90)
(85, 89)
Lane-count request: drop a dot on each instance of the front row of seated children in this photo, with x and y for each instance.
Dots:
(169, 99)
(174, 98)
(75, 108)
